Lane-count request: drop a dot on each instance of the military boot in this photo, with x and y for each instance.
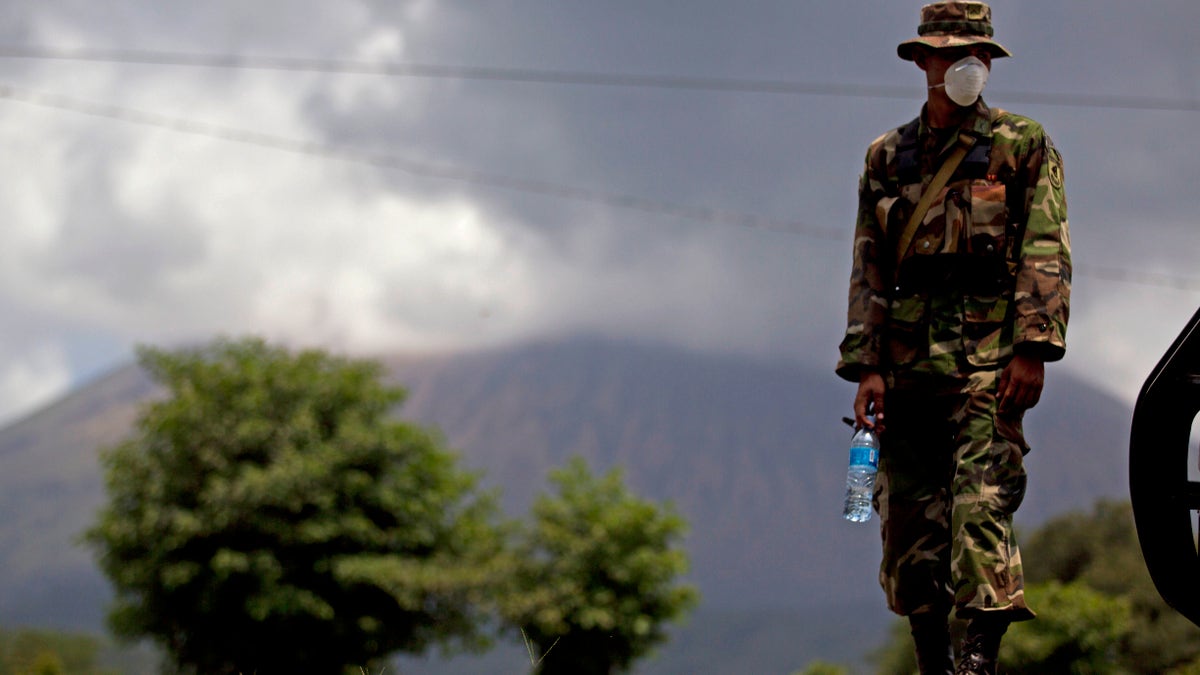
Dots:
(931, 637)
(981, 646)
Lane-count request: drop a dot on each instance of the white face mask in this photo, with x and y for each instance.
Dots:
(964, 81)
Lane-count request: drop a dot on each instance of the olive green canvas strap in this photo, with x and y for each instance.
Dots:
(961, 148)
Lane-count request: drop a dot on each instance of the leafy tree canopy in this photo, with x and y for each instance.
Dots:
(1079, 633)
(1100, 549)
(824, 668)
(48, 652)
(596, 576)
(268, 516)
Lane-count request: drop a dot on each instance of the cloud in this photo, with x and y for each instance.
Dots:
(125, 233)
(182, 234)
(31, 377)
(1119, 332)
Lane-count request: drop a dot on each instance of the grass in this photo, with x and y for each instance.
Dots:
(535, 661)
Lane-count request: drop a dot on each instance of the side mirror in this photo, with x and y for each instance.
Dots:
(1163, 498)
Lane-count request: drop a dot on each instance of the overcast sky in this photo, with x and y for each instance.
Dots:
(122, 229)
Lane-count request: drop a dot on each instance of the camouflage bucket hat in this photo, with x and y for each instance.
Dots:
(954, 24)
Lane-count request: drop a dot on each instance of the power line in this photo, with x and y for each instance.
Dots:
(1140, 278)
(415, 167)
(434, 71)
(569, 77)
(495, 180)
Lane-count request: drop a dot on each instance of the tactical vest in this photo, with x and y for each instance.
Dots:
(968, 241)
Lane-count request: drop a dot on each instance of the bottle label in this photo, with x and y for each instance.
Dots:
(865, 456)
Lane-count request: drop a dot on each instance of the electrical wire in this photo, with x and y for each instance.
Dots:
(570, 77)
(495, 180)
(414, 167)
(1140, 278)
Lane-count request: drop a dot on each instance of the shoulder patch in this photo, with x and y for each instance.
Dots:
(1056, 168)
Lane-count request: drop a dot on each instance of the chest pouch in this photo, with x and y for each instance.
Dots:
(955, 237)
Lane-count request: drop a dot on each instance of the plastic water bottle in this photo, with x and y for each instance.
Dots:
(860, 476)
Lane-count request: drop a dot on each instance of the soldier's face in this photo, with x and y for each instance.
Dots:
(935, 62)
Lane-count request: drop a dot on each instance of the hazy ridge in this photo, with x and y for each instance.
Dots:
(751, 453)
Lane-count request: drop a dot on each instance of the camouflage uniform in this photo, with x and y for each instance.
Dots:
(987, 275)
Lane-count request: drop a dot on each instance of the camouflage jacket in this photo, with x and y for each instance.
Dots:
(988, 270)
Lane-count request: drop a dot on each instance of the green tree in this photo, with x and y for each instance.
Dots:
(1189, 668)
(1079, 632)
(26, 651)
(824, 668)
(1100, 549)
(268, 516)
(896, 656)
(595, 578)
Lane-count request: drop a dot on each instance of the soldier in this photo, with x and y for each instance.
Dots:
(958, 296)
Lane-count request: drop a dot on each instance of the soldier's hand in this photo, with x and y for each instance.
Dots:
(869, 401)
(1021, 384)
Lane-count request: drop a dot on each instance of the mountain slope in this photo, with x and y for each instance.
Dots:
(752, 453)
(50, 487)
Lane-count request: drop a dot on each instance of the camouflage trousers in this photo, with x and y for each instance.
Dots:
(951, 476)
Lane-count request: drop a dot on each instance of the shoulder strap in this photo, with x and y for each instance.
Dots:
(961, 148)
